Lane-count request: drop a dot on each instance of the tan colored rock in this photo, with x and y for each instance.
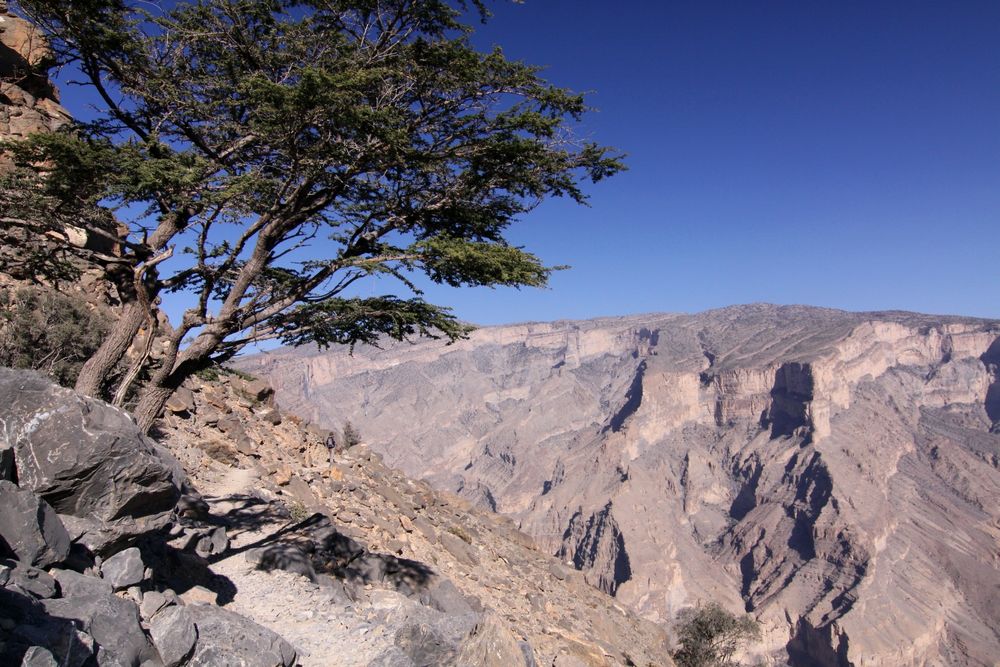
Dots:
(199, 595)
(831, 471)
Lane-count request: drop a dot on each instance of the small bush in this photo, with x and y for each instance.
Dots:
(351, 435)
(50, 332)
(709, 636)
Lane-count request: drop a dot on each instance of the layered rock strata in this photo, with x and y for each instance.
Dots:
(833, 473)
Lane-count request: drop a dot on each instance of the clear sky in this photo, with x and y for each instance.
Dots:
(842, 154)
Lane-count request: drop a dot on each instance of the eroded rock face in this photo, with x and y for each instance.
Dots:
(28, 101)
(833, 473)
(86, 459)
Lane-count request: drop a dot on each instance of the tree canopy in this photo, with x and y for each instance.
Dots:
(266, 155)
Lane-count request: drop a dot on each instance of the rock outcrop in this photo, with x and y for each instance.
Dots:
(833, 473)
(28, 100)
(86, 460)
(116, 491)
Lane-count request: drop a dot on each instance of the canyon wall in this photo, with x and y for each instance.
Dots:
(832, 473)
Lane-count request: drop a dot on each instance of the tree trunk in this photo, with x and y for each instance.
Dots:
(176, 368)
(150, 404)
(94, 374)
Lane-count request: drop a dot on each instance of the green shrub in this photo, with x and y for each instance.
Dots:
(351, 435)
(709, 636)
(47, 331)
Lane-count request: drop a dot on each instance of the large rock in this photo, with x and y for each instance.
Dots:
(173, 634)
(113, 622)
(30, 528)
(226, 638)
(87, 459)
(32, 626)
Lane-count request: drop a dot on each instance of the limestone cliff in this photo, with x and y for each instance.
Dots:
(28, 100)
(833, 473)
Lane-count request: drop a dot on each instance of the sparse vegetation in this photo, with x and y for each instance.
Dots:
(351, 436)
(297, 511)
(709, 635)
(47, 331)
(278, 152)
(460, 533)
(215, 372)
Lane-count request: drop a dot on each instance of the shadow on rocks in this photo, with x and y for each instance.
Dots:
(314, 548)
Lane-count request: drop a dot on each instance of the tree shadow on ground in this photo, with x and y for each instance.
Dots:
(315, 548)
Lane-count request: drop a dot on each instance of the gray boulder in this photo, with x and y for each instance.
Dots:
(173, 634)
(112, 621)
(87, 459)
(31, 580)
(30, 528)
(124, 569)
(32, 627)
(226, 639)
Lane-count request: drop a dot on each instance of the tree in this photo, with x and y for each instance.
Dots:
(266, 155)
(709, 636)
(351, 435)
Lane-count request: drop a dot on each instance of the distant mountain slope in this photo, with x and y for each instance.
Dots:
(834, 473)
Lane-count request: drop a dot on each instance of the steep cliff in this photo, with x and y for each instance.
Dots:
(833, 473)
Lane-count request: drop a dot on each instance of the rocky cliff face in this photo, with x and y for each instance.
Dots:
(28, 100)
(833, 473)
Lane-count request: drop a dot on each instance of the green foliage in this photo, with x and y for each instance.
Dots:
(215, 372)
(288, 149)
(47, 331)
(351, 435)
(709, 635)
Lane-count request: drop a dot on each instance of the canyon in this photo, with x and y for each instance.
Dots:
(833, 474)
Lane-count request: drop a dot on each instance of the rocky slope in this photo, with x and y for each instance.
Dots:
(290, 554)
(833, 473)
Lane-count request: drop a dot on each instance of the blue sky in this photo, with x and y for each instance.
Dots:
(841, 154)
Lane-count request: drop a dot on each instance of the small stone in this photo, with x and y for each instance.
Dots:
(199, 595)
(181, 401)
(152, 602)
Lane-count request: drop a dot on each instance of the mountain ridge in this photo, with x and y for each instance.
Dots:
(823, 469)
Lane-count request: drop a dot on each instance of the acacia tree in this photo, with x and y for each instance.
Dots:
(709, 636)
(266, 155)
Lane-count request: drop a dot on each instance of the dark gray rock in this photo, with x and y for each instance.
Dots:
(86, 459)
(113, 622)
(32, 626)
(173, 634)
(73, 584)
(30, 528)
(226, 638)
(124, 569)
(445, 597)
(32, 580)
(6, 462)
(152, 602)
(36, 656)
